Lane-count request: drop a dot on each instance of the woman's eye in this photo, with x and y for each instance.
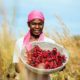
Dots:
(40, 24)
(33, 23)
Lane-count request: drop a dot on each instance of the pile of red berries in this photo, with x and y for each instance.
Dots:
(49, 59)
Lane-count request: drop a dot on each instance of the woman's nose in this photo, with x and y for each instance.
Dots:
(37, 25)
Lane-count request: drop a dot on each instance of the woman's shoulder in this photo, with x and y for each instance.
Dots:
(47, 39)
(19, 42)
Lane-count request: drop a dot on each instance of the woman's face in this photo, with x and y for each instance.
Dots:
(36, 27)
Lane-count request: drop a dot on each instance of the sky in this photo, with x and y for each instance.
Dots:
(67, 10)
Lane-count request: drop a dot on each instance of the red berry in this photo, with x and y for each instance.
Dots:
(45, 58)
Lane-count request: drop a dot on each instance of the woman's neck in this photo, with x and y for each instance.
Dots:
(33, 39)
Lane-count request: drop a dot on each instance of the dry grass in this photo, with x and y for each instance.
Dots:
(72, 44)
(6, 51)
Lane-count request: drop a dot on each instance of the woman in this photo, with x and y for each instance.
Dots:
(36, 24)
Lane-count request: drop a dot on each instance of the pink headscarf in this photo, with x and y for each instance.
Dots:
(35, 14)
(27, 38)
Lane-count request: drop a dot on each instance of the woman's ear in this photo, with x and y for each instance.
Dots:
(28, 24)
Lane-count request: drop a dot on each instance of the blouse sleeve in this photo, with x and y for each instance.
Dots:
(16, 53)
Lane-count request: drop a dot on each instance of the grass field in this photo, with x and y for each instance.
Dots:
(72, 44)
